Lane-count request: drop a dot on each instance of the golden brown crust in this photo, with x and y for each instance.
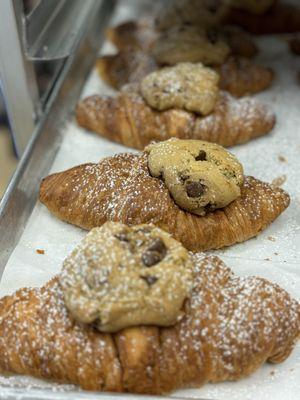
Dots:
(127, 119)
(282, 18)
(239, 77)
(120, 188)
(231, 326)
(128, 66)
(135, 34)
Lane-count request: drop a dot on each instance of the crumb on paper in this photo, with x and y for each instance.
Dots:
(276, 254)
(267, 259)
(292, 369)
(272, 373)
(40, 251)
(271, 238)
(279, 181)
(282, 158)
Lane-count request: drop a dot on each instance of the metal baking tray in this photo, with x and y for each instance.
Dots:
(57, 144)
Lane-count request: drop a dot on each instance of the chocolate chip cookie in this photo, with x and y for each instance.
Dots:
(122, 276)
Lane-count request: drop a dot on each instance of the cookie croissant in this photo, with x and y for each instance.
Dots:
(127, 119)
(120, 188)
(231, 326)
(238, 76)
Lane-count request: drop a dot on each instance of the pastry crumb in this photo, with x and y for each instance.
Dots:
(272, 373)
(267, 259)
(40, 251)
(282, 158)
(276, 254)
(279, 181)
(271, 238)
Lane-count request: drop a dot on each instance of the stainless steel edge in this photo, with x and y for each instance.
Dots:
(18, 81)
(20, 197)
(54, 32)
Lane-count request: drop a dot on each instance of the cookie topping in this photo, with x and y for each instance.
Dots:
(103, 280)
(200, 176)
(189, 43)
(201, 156)
(187, 86)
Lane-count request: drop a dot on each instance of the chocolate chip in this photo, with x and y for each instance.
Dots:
(201, 156)
(150, 279)
(151, 258)
(158, 245)
(122, 236)
(154, 253)
(209, 207)
(195, 189)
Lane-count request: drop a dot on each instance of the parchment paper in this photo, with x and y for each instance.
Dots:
(274, 254)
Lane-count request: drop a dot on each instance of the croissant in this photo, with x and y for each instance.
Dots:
(120, 188)
(141, 34)
(231, 326)
(238, 76)
(281, 18)
(134, 34)
(127, 119)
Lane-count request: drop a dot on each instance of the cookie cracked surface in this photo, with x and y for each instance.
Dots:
(200, 176)
(122, 276)
(186, 86)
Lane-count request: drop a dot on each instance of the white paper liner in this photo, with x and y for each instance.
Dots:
(274, 254)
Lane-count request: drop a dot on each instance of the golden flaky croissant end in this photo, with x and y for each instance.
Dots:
(120, 188)
(231, 326)
(238, 76)
(135, 34)
(127, 119)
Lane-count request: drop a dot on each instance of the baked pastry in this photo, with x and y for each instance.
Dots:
(189, 43)
(121, 188)
(129, 120)
(241, 77)
(120, 276)
(230, 327)
(131, 35)
(203, 13)
(281, 18)
(238, 76)
(138, 35)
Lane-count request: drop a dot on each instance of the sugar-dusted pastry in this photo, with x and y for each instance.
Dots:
(132, 120)
(203, 13)
(121, 276)
(121, 188)
(133, 34)
(280, 18)
(228, 328)
(141, 35)
(199, 175)
(190, 44)
(238, 76)
(190, 87)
